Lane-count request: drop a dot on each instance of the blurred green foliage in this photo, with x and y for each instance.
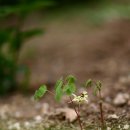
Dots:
(58, 2)
(12, 38)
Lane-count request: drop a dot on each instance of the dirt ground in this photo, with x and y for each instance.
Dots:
(73, 47)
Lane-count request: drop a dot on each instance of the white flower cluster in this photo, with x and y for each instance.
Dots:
(81, 98)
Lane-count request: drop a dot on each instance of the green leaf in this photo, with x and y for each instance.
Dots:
(88, 83)
(99, 85)
(23, 9)
(95, 90)
(40, 92)
(70, 86)
(70, 79)
(4, 35)
(59, 91)
(19, 37)
(16, 41)
(31, 33)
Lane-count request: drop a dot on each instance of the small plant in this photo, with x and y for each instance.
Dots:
(12, 38)
(68, 87)
(97, 92)
(65, 86)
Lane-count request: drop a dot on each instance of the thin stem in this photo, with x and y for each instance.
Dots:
(101, 110)
(80, 124)
(79, 108)
(51, 92)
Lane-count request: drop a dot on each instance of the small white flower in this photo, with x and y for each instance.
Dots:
(81, 98)
(126, 127)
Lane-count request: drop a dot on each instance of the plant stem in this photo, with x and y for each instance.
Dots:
(101, 110)
(78, 115)
(51, 92)
(79, 108)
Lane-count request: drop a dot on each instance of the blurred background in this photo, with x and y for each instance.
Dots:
(42, 40)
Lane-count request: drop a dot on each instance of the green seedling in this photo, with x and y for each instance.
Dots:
(40, 92)
(88, 83)
(67, 87)
(98, 88)
(97, 92)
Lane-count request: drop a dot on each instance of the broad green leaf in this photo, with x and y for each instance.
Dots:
(70, 79)
(88, 83)
(70, 87)
(40, 92)
(59, 91)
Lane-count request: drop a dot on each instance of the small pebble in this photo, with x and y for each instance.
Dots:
(38, 118)
(113, 116)
(108, 128)
(121, 99)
